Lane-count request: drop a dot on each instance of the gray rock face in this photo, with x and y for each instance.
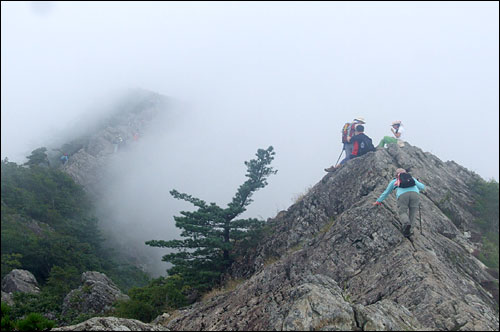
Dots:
(7, 298)
(333, 261)
(96, 295)
(20, 281)
(161, 319)
(111, 324)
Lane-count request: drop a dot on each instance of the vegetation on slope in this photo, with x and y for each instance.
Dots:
(48, 228)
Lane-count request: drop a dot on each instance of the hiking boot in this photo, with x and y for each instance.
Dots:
(333, 168)
(330, 169)
(407, 231)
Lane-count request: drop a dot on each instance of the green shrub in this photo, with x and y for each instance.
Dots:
(7, 323)
(34, 322)
(10, 262)
(489, 253)
(487, 218)
(135, 309)
(146, 303)
(48, 228)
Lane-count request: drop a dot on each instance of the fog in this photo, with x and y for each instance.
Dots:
(246, 75)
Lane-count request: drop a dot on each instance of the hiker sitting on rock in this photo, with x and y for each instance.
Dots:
(361, 144)
(407, 195)
(348, 131)
(397, 130)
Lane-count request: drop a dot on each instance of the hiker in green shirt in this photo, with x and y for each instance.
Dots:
(397, 130)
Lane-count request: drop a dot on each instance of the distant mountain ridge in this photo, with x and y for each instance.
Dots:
(90, 153)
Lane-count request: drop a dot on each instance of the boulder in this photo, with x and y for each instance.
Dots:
(96, 295)
(162, 319)
(111, 324)
(7, 298)
(20, 281)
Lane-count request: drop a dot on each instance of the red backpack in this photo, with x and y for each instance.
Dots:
(347, 130)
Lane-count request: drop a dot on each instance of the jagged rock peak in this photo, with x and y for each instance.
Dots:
(333, 261)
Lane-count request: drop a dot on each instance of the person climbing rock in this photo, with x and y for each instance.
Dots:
(361, 144)
(398, 131)
(347, 133)
(64, 158)
(407, 194)
(117, 142)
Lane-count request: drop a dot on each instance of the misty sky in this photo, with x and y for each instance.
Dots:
(252, 75)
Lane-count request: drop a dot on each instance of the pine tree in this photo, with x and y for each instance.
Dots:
(38, 157)
(210, 232)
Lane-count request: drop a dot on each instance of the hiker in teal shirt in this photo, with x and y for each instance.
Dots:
(407, 192)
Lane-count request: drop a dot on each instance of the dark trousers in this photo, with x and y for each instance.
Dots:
(408, 207)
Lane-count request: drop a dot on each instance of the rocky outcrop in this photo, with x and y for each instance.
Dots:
(333, 261)
(162, 319)
(90, 153)
(96, 295)
(111, 324)
(7, 298)
(20, 281)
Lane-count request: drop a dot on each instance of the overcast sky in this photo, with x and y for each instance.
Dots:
(287, 74)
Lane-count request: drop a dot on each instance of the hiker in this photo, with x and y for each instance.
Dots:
(397, 130)
(116, 142)
(407, 192)
(361, 144)
(64, 158)
(347, 134)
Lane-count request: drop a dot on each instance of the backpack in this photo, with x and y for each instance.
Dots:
(345, 132)
(406, 180)
(348, 130)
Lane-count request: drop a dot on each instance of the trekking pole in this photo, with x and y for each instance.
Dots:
(420, 217)
(339, 156)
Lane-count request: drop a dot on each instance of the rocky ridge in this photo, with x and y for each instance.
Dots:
(90, 153)
(333, 261)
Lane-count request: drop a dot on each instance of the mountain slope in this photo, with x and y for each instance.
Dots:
(90, 153)
(334, 261)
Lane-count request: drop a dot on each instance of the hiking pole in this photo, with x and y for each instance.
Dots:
(343, 148)
(420, 217)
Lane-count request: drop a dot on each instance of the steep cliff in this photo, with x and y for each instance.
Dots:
(333, 261)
